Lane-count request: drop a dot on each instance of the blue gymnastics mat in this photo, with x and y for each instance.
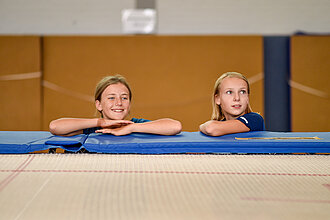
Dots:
(12, 142)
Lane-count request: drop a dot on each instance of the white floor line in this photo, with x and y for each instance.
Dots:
(31, 200)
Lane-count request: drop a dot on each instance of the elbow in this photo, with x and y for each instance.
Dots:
(211, 131)
(177, 127)
(53, 128)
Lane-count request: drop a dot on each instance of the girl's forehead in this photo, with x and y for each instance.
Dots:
(117, 88)
(233, 82)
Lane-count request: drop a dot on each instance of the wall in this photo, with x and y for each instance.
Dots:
(20, 85)
(170, 76)
(266, 17)
(193, 18)
(310, 79)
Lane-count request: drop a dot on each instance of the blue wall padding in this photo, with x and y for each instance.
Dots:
(15, 142)
(196, 142)
(72, 144)
(186, 142)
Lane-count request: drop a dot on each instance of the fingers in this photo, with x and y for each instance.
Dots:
(116, 132)
(122, 121)
(118, 129)
(117, 123)
(106, 131)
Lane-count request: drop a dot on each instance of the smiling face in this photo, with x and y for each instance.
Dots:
(233, 97)
(115, 102)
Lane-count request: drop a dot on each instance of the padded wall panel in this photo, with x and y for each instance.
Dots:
(310, 59)
(185, 142)
(20, 90)
(171, 76)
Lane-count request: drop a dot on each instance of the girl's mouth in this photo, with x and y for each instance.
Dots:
(117, 110)
(236, 106)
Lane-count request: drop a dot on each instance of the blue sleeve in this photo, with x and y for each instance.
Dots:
(90, 130)
(139, 120)
(253, 120)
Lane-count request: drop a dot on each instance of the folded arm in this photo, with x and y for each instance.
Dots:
(165, 126)
(74, 126)
(219, 128)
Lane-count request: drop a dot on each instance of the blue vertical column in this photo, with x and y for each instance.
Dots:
(276, 83)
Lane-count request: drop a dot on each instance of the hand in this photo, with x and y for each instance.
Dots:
(118, 131)
(107, 123)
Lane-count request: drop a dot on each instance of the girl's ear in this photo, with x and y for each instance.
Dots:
(98, 105)
(217, 99)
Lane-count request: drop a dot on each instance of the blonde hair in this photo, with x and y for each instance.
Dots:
(217, 113)
(107, 81)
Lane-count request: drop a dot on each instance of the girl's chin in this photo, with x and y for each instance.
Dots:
(235, 114)
(116, 117)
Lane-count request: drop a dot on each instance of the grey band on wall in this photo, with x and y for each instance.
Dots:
(141, 4)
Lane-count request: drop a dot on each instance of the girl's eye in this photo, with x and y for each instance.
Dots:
(243, 92)
(229, 92)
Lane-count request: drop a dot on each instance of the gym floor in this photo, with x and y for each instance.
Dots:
(176, 186)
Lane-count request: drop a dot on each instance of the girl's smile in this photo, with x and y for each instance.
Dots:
(115, 103)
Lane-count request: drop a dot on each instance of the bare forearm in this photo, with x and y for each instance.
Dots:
(219, 128)
(71, 126)
(165, 126)
(212, 128)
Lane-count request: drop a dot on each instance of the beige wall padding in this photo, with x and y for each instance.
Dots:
(20, 90)
(171, 76)
(310, 83)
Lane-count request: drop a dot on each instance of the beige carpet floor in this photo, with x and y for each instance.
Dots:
(105, 186)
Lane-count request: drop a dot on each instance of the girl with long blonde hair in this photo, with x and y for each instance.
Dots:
(232, 112)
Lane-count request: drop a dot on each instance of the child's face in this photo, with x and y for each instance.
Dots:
(115, 103)
(233, 97)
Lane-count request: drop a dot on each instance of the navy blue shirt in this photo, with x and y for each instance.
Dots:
(92, 130)
(253, 120)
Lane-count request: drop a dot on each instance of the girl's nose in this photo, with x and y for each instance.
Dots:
(118, 102)
(236, 97)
